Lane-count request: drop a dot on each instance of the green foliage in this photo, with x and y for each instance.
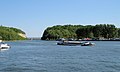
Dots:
(7, 33)
(97, 31)
(17, 30)
(59, 31)
(105, 30)
(118, 32)
(79, 31)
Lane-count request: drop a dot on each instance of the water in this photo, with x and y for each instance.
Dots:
(46, 56)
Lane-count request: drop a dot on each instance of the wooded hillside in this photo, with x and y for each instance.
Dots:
(10, 33)
(80, 31)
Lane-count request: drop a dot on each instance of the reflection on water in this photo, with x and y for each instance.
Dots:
(46, 56)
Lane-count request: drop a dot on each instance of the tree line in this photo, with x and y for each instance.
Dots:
(10, 33)
(80, 31)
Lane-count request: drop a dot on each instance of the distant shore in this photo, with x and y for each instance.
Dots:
(116, 39)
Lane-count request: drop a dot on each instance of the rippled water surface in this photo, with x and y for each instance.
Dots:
(46, 56)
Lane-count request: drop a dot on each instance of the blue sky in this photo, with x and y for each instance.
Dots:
(34, 16)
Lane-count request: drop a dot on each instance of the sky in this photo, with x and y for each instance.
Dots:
(34, 16)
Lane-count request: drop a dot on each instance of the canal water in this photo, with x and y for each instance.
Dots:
(47, 56)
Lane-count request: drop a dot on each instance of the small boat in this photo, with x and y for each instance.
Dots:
(69, 43)
(87, 44)
(4, 46)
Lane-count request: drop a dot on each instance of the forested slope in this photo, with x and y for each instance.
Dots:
(10, 33)
(80, 31)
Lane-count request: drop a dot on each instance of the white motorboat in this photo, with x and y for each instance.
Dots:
(4, 46)
(87, 44)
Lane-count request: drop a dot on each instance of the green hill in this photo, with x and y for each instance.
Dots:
(80, 31)
(10, 33)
